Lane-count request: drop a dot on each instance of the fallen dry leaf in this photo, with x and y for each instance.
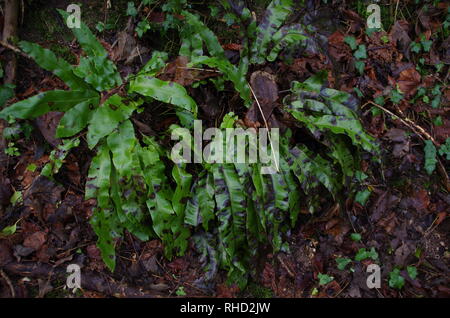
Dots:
(408, 81)
(35, 240)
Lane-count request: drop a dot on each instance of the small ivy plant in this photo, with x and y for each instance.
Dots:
(360, 52)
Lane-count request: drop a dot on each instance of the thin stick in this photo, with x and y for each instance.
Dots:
(14, 49)
(267, 126)
(197, 69)
(422, 135)
(8, 282)
(396, 10)
(407, 122)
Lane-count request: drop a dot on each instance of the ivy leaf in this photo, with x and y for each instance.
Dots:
(412, 271)
(142, 27)
(426, 44)
(361, 53)
(355, 237)
(324, 279)
(131, 9)
(396, 96)
(363, 196)
(396, 280)
(415, 47)
(360, 65)
(379, 100)
(444, 150)
(436, 101)
(342, 262)
(351, 41)
(365, 254)
(430, 157)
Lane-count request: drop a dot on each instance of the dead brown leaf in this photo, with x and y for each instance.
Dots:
(266, 91)
(178, 72)
(400, 37)
(47, 125)
(35, 240)
(408, 81)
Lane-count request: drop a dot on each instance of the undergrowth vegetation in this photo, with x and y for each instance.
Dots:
(233, 213)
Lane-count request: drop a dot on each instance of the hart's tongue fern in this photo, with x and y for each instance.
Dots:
(232, 210)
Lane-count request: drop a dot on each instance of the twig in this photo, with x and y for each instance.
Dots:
(407, 122)
(288, 270)
(14, 49)
(8, 282)
(267, 126)
(197, 69)
(419, 131)
(396, 10)
(342, 289)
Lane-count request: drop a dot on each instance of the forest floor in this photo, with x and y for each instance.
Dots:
(404, 226)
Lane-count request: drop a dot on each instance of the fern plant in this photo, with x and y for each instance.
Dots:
(126, 178)
(232, 211)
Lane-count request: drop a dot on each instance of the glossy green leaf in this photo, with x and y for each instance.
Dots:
(43, 103)
(275, 14)
(286, 36)
(167, 92)
(48, 61)
(76, 118)
(106, 118)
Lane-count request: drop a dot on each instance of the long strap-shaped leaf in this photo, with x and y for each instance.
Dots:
(231, 202)
(276, 13)
(48, 61)
(41, 104)
(200, 207)
(106, 118)
(76, 118)
(166, 92)
(218, 59)
(95, 68)
(104, 220)
(286, 36)
(86, 39)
